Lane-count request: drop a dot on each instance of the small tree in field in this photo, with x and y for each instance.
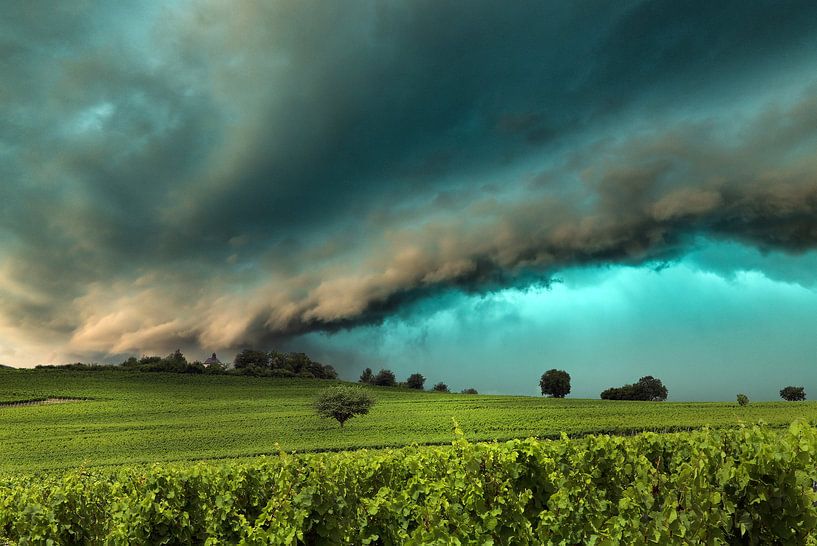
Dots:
(555, 383)
(743, 400)
(469, 391)
(342, 402)
(793, 394)
(415, 381)
(440, 387)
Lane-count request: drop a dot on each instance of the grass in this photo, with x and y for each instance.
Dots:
(132, 418)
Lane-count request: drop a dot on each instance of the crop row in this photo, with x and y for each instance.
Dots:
(746, 485)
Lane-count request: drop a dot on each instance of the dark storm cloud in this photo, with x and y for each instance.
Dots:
(218, 173)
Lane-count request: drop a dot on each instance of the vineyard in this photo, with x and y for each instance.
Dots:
(747, 485)
(122, 418)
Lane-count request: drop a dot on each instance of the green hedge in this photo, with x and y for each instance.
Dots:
(744, 486)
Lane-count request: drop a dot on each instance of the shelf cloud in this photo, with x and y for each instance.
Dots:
(215, 175)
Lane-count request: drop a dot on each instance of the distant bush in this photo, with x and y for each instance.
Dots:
(78, 366)
(743, 400)
(280, 372)
(415, 381)
(214, 369)
(793, 394)
(342, 402)
(469, 391)
(648, 388)
(440, 387)
(385, 378)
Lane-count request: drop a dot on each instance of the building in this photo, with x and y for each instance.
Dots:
(213, 360)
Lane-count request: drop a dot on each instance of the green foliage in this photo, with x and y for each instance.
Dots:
(175, 362)
(367, 376)
(130, 417)
(416, 381)
(247, 362)
(793, 394)
(342, 402)
(469, 391)
(647, 389)
(743, 400)
(384, 378)
(555, 383)
(278, 364)
(742, 486)
(250, 358)
(440, 387)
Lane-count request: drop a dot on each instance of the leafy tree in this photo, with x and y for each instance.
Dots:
(342, 402)
(469, 391)
(440, 387)
(385, 378)
(743, 400)
(131, 362)
(149, 360)
(249, 358)
(300, 364)
(415, 381)
(367, 376)
(176, 356)
(279, 360)
(648, 388)
(793, 394)
(555, 383)
(329, 372)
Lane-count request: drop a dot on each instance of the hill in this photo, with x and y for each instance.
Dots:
(138, 417)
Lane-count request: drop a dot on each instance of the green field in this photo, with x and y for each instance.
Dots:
(145, 417)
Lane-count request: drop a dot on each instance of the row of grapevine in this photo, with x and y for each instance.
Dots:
(749, 485)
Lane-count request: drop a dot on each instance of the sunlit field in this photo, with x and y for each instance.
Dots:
(146, 417)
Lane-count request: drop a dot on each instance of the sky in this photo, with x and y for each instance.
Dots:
(478, 193)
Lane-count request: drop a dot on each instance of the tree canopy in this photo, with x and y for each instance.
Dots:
(555, 383)
(415, 381)
(367, 376)
(248, 358)
(342, 402)
(385, 378)
(648, 388)
(793, 394)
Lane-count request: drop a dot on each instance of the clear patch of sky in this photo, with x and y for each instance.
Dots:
(725, 319)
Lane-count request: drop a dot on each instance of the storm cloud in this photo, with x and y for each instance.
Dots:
(214, 175)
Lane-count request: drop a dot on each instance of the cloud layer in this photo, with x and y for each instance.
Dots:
(218, 174)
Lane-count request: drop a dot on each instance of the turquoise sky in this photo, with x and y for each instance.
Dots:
(707, 333)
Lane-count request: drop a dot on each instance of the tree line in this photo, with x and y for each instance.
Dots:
(386, 378)
(247, 362)
(556, 384)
